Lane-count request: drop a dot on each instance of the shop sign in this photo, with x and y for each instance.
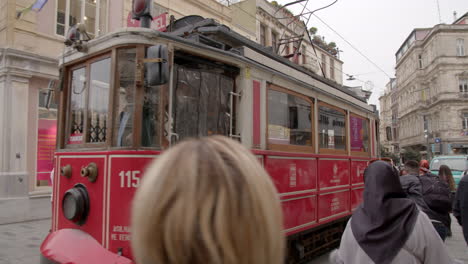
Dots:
(75, 138)
(159, 23)
(46, 139)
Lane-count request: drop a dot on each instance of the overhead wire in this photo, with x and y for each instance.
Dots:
(307, 52)
(352, 46)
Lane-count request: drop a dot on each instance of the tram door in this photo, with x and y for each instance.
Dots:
(201, 103)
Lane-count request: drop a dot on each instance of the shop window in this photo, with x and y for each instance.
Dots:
(91, 13)
(332, 129)
(89, 99)
(359, 129)
(289, 120)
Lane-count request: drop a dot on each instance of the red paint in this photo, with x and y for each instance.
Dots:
(292, 175)
(334, 173)
(256, 114)
(125, 176)
(356, 197)
(159, 23)
(94, 222)
(73, 246)
(139, 6)
(298, 212)
(46, 138)
(314, 190)
(357, 171)
(333, 204)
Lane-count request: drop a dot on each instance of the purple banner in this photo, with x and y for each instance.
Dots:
(38, 5)
(357, 133)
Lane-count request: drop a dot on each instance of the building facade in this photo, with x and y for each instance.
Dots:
(279, 29)
(430, 100)
(388, 126)
(30, 48)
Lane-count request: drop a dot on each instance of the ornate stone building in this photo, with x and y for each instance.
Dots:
(432, 91)
(388, 118)
(275, 27)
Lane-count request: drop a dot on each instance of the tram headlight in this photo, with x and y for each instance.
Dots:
(75, 204)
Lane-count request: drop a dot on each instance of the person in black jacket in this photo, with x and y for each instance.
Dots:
(431, 195)
(460, 205)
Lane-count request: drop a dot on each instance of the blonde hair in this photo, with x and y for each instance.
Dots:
(207, 201)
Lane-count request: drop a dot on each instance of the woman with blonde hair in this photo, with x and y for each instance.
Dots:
(207, 201)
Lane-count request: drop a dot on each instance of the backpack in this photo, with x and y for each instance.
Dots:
(436, 193)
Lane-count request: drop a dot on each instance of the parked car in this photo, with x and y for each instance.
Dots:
(458, 165)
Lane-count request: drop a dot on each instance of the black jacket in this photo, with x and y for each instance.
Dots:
(412, 186)
(460, 205)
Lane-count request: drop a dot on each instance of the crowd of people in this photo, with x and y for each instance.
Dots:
(220, 206)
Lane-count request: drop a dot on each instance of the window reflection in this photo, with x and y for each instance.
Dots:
(77, 107)
(125, 103)
(359, 129)
(289, 119)
(332, 128)
(98, 100)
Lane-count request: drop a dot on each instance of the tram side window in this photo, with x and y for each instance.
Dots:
(332, 128)
(359, 128)
(289, 120)
(124, 104)
(150, 132)
(77, 105)
(201, 102)
(98, 101)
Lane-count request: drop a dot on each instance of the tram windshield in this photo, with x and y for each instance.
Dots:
(111, 105)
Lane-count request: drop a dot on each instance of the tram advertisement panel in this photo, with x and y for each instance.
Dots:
(125, 177)
(334, 173)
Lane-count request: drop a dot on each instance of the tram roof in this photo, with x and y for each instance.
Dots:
(250, 51)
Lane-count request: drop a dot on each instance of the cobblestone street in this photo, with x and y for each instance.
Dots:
(19, 243)
(21, 233)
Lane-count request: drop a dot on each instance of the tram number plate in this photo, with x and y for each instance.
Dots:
(129, 179)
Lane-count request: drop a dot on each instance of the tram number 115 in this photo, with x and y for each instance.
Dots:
(129, 179)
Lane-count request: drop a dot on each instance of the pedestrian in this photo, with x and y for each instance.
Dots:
(424, 167)
(460, 205)
(207, 201)
(445, 174)
(387, 227)
(430, 194)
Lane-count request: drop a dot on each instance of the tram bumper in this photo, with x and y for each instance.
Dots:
(73, 246)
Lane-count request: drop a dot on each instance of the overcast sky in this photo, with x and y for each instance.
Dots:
(376, 28)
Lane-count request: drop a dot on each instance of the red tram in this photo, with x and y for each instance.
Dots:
(130, 94)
